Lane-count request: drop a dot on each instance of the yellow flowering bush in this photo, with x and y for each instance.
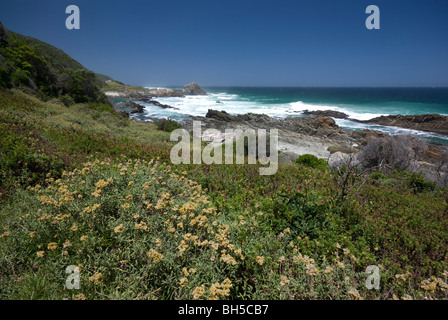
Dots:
(99, 216)
(139, 230)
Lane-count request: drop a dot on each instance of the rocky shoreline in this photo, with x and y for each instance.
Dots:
(423, 122)
(426, 122)
(317, 135)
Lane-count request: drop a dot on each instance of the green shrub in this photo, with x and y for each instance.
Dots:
(167, 125)
(20, 78)
(416, 181)
(312, 161)
(67, 100)
(305, 213)
(4, 78)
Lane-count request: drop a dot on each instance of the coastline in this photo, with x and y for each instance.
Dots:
(314, 132)
(433, 124)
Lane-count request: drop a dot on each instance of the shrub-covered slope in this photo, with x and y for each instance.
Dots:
(48, 71)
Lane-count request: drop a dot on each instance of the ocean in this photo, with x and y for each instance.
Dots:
(280, 102)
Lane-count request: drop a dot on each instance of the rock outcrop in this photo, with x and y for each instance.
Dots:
(327, 113)
(146, 94)
(133, 107)
(193, 89)
(160, 105)
(318, 126)
(424, 122)
(166, 93)
(318, 135)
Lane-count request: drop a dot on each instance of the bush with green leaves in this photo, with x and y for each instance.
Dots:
(312, 161)
(416, 181)
(167, 125)
(305, 213)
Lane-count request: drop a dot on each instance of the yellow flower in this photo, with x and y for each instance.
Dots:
(260, 260)
(141, 226)
(87, 210)
(340, 265)
(155, 256)
(284, 281)
(355, 294)
(119, 229)
(52, 246)
(182, 247)
(183, 281)
(429, 285)
(96, 206)
(96, 278)
(74, 227)
(40, 254)
(328, 270)
(126, 205)
(32, 234)
(311, 270)
(198, 292)
(80, 296)
(401, 277)
(84, 238)
(96, 193)
(67, 244)
(227, 258)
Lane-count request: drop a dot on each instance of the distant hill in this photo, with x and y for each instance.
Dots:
(49, 72)
(103, 77)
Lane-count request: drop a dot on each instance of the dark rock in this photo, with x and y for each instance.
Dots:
(161, 105)
(424, 122)
(365, 135)
(166, 93)
(133, 107)
(219, 115)
(327, 113)
(319, 126)
(193, 89)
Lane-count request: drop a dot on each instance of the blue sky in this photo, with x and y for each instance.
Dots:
(245, 42)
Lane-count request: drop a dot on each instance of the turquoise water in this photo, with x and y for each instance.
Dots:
(358, 103)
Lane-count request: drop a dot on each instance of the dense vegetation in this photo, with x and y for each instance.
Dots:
(83, 186)
(31, 64)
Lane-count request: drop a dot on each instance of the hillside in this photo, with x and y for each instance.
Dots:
(85, 187)
(47, 71)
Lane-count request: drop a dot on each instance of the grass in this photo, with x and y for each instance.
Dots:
(82, 186)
